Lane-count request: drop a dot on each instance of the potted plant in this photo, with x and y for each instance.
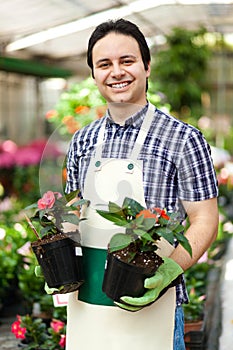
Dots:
(33, 333)
(194, 321)
(57, 247)
(135, 249)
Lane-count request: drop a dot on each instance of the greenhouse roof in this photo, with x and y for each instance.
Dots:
(58, 31)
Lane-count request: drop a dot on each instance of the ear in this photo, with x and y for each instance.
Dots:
(148, 70)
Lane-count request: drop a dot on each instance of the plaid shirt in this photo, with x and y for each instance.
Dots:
(176, 161)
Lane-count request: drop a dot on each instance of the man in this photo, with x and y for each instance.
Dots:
(172, 169)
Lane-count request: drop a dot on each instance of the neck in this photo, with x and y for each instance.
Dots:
(120, 112)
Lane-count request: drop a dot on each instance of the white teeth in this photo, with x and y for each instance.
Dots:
(119, 86)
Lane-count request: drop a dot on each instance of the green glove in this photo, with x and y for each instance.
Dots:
(39, 273)
(51, 290)
(163, 277)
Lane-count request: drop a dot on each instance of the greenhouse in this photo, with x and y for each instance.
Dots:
(60, 93)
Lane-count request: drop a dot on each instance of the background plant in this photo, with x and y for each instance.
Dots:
(180, 70)
(35, 333)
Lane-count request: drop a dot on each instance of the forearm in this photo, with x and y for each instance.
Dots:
(201, 232)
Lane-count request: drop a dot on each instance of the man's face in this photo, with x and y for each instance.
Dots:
(118, 69)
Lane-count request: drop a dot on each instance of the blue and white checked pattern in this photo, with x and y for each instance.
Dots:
(177, 164)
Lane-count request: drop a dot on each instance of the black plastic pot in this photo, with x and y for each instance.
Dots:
(121, 278)
(61, 263)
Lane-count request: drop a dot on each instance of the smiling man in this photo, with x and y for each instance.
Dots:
(119, 71)
(170, 167)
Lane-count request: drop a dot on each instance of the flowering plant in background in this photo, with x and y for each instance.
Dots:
(17, 329)
(77, 107)
(143, 227)
(12, 154)
(52, 212)
(35, 334)
(19, 166)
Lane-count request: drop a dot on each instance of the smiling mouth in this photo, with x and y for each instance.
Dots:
(119, 85)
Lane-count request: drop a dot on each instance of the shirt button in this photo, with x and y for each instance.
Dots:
(130, 166)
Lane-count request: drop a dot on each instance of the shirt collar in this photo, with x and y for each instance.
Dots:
(135, 120)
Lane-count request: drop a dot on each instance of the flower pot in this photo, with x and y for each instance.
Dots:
(194, 335)
(121, 278)
(25, 344)
(61, 263)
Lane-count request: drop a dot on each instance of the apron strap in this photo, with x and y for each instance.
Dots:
(143, 132)
(139, 140)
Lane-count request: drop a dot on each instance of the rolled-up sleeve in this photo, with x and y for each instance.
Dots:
(196, 173)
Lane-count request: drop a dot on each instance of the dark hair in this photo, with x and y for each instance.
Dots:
(120, 26)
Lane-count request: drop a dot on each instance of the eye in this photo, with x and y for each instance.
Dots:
(103, 65)
(128, 60)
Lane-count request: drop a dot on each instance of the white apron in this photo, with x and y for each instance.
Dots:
(94, 322)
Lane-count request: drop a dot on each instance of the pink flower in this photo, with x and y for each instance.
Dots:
(203, 258)
(25, 250)
(27, 155)
(57, 325)
(7, 159)
(47, 201)
(62, 341)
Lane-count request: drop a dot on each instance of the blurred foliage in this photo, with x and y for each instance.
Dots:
(78, 106)
(180, 70)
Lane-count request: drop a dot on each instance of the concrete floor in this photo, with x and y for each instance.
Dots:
(7, 339)
(226, 338)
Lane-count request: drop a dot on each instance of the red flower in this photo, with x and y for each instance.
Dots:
(162, 213)
(62, 341)
(57, 325)
(16, 328)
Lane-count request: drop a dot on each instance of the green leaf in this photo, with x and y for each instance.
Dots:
(32, 206)
(164, 230)
(115, 218)
(148, 223)
(46, 230)
(179, 228)
(72, 218)
(114, 208)
(79, 202)
(131, 206)
(119, 241)
(143, 234)
(184, 242)
(166, 234)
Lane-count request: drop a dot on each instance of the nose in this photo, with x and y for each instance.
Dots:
(117, 71)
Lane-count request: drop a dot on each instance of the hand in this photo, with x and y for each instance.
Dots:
(166, 273)
(50, 290)
(39, 273)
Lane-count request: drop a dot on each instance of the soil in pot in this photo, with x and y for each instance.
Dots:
(61, 262)
(127, 278)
